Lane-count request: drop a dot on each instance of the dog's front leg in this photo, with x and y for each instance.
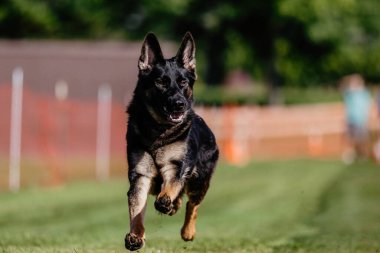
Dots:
(169, 199)
(137, 197)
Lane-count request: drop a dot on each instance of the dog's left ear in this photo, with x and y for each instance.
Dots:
(186, 52)
(150, 53)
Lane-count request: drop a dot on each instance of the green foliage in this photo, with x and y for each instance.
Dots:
(62, 19)
(284, 206)
(218, 95)
(26, 18)
(287, 42)
(239, 55)
(351, 28)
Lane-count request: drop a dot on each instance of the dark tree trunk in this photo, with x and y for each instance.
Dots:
(215, 56)
(274, 81)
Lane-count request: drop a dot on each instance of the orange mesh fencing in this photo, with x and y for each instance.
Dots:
(55, 131)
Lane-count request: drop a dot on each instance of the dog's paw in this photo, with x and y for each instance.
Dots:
(176, 206)
(188, 233)
(133, 242)
(163, 204)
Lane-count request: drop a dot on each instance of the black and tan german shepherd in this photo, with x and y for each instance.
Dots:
(170, 149)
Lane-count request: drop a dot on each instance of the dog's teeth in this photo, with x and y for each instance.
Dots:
(176, 116)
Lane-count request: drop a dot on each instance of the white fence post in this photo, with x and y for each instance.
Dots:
(103, 132)
(15, 134)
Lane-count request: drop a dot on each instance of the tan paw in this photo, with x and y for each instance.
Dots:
(188, 234)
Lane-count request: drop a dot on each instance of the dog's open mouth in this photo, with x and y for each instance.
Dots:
(176, 117)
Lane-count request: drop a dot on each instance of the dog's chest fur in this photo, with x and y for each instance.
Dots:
(170, 154)
(162, 160)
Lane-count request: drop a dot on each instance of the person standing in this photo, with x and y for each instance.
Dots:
(357, 100)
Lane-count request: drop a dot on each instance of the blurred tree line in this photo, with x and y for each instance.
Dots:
(281, 42)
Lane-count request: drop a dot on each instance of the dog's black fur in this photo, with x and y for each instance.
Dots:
(170, 149)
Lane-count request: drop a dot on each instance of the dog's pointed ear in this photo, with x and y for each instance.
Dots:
(150, 53)
(186, 52)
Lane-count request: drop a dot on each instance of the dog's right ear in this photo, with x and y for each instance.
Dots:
(186, 52)
(150, 53)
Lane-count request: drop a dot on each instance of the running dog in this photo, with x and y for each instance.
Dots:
(170, 149)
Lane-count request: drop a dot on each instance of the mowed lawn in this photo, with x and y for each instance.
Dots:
(281, 206)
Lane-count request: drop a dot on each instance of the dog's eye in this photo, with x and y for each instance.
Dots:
(159, 83)
(183, 82)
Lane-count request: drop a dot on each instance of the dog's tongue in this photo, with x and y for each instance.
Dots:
(176, 115)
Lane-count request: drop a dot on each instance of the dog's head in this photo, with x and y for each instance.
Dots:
(166, 85)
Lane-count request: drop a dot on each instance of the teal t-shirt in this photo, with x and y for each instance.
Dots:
(358, 104)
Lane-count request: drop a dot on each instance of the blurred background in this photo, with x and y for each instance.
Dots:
(269, 75)
(278, 81)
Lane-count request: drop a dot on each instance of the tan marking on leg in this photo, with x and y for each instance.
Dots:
(171, 189)
(188, 229)
(137, 224)
(166, 198)
(176, 205)
(137, 206)
(170, 186)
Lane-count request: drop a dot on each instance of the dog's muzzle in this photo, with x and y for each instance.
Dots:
(176, 111)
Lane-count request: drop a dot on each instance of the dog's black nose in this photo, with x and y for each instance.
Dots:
(179, 105)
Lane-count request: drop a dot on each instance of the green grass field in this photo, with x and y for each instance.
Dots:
(282, 206)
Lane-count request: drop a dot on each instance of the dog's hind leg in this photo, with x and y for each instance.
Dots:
(196, 190)
(188, 228)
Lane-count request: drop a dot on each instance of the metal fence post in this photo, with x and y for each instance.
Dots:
(103, 132)
(15, 133)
